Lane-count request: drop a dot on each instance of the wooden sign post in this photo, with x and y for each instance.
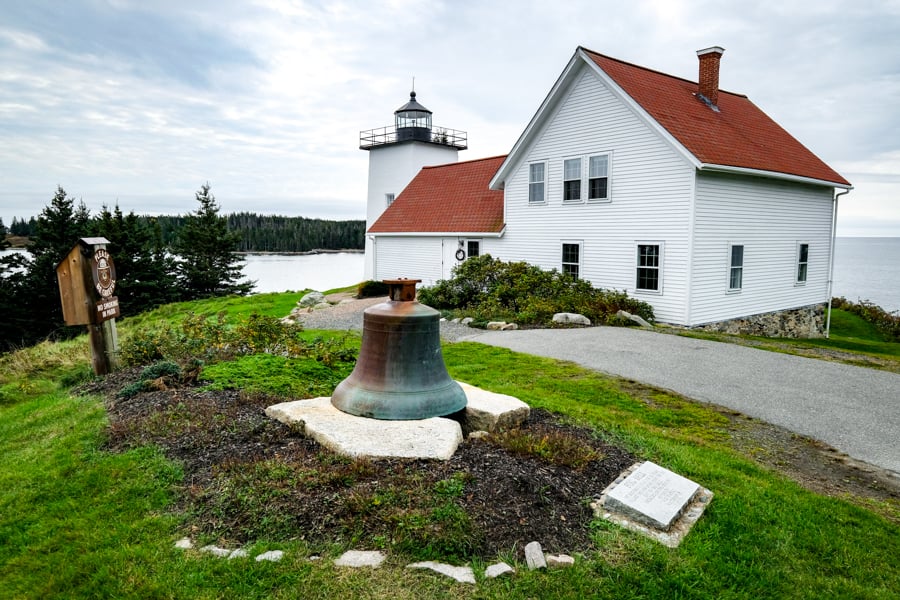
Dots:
(87, 280)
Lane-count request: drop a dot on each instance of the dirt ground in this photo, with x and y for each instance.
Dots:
(232, 492)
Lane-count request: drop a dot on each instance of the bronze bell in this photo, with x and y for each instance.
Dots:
(400, 373)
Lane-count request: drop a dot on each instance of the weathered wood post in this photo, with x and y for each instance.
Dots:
(87, 280)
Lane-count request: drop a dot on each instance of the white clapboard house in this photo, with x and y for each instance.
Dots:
(686, 196)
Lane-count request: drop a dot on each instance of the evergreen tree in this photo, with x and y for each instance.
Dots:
(57, 229)
(145, 273)
(207, 263)
(15, 325)
(3, 232)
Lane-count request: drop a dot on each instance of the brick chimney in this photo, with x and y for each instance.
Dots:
(709, 74)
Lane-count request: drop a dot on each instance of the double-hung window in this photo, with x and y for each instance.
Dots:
(388, 199)
(802, 263)
(537, 173)
(572, 180)
(571, 258)
(473, 248)
(735, 267)
(649, 267)
(598, 178)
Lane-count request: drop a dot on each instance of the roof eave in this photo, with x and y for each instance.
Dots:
(482, 234)
(713, 168)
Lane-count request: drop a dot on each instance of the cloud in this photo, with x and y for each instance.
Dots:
(143, 102)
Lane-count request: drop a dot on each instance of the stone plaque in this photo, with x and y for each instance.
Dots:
(652, 495)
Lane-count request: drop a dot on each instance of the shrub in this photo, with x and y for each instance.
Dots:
(371, 289)
(206, 339)
(487, 288)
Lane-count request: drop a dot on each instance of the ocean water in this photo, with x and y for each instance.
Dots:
(868, 269)
(865, 268)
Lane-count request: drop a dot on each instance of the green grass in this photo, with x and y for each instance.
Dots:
(852, 340)
(77, 521)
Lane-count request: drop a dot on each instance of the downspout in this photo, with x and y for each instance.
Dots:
(831, 260)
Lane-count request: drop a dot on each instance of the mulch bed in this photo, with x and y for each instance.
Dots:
(224, 441)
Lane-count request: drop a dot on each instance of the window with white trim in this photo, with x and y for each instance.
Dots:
(649, 267)
(571, 258)
(473, 248)
(537, 174)
(572, 180)
(598, 177)
(802, 262)
(388, 199)
(735, 267)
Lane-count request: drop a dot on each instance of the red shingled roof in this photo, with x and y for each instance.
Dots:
(739, 135)
(453, 198)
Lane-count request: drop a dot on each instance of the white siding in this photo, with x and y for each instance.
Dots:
(650, 189)
(410, 257)
(769, 218)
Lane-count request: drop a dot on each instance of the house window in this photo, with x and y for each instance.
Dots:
(388, 199)
(572, 179)
(736, 267)
(473, 248)
(536, 177)
(598, 177)
(802, 262)
(571, 259)
(649, 272)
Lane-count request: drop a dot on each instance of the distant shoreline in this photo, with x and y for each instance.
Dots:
(306, 253)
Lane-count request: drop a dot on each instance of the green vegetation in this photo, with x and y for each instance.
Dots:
(486, 288)
(886, 323)
(853, 341)
(371, 289)
(78, 520)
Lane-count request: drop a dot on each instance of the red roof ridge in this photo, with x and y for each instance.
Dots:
(464, 162)
(648, 69)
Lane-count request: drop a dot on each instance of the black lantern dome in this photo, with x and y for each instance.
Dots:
(413, 121)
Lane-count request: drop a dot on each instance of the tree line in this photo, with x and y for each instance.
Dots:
(157, 259)
(258, 233)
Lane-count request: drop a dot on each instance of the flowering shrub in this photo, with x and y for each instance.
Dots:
(486, 288)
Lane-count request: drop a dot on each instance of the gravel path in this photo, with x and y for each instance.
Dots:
(854, 409)
(350, 316)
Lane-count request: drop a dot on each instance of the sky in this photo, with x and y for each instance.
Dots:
(140, 102)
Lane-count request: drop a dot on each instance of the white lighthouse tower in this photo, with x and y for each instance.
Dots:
(397, 153)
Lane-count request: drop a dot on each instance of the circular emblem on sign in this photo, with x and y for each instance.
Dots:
(104, 273)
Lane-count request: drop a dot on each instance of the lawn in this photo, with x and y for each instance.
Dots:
(79, 520)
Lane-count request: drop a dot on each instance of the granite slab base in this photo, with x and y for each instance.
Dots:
(360, 437)
(434, 438)
(653, 501)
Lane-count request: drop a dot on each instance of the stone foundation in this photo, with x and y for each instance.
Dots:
(804, 322)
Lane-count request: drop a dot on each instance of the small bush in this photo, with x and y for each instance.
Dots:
(371, 289)
(486, 289)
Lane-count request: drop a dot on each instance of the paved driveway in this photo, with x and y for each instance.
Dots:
(854, 409)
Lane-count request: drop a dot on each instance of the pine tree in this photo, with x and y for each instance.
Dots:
(145, 273)
(56, 231)
(3, 232)
(207, 264)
